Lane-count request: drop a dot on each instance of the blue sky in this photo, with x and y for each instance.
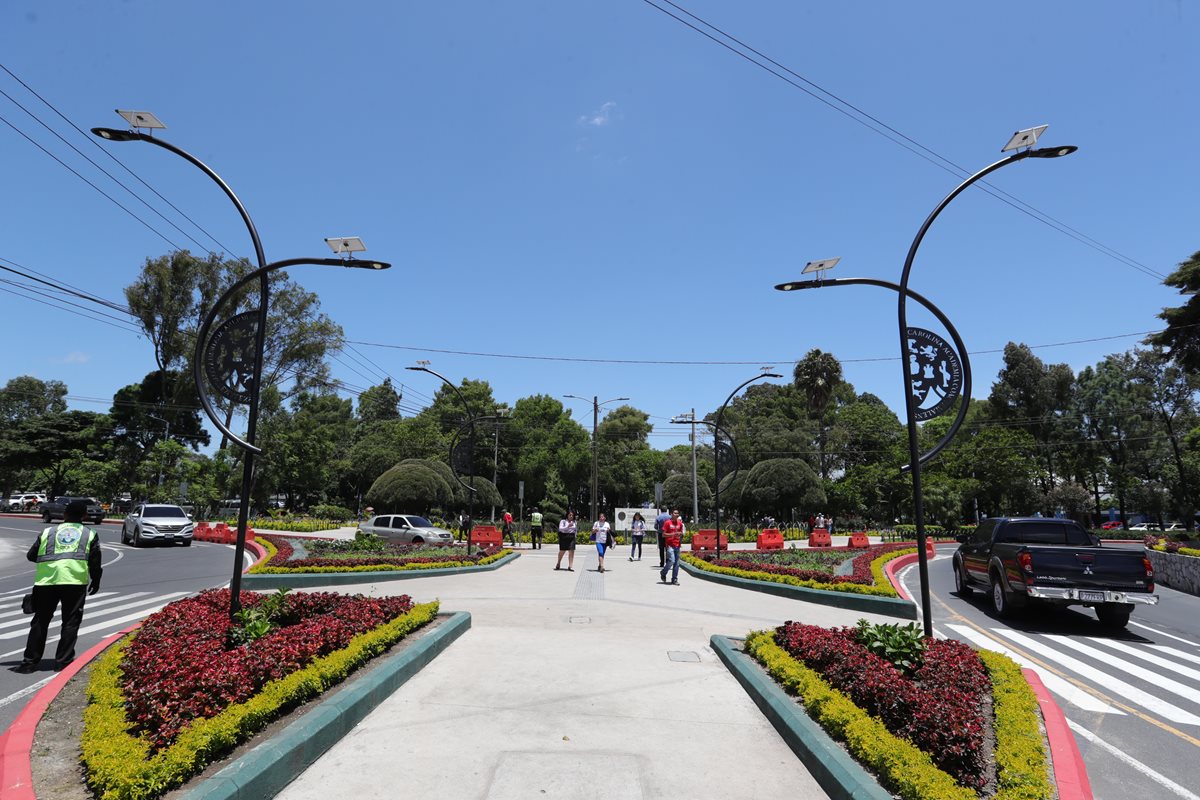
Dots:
(594, 180)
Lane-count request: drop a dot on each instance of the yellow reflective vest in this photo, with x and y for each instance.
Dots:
(62, 555)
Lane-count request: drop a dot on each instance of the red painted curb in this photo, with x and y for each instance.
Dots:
(260, 550)
(16, 773)
(895, 564)
(1069, 772)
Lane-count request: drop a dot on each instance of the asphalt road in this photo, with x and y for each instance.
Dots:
(1132, 699)
(137, 582)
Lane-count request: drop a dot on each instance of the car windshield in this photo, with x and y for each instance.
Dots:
(163, 511)
(419, 522)
(1046, 533)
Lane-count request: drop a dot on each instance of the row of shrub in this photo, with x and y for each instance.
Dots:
(870, 562)
(119, 764)
(281, 560)
(289, 523)
(901, 766)
(1164, 545)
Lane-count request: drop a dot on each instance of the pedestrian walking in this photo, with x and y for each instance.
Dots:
(507, 530)
(637, 532)
(566, 541)
(673, 531)
(68, 569)
(662, 519)
(535, 529)
(602, 533)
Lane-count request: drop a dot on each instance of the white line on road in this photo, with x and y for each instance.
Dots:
(1171, 651)
(1150, 676)
(87, 607)
(1141, 653)
(1164, 633)
(109, 623)
(1121, 755)
(28, 690)
(1100, 678)
(1060, 686)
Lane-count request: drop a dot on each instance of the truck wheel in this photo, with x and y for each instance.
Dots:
(961, 587)
(1114, 617)
(1000, 603)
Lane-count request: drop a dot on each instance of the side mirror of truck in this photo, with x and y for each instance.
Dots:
(1096, 542)
(961, 537)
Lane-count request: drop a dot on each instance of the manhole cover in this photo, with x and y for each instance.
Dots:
(682, 655)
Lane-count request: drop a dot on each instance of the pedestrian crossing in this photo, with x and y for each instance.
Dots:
(1162, 680)
(103, 613)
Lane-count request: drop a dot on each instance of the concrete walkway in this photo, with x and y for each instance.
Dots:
(574, 685)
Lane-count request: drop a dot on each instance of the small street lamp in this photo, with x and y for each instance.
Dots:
(595, 401)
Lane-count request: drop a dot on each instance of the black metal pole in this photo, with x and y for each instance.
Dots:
(909, 410)
(471, 463)
(717, 452)
(595, 456)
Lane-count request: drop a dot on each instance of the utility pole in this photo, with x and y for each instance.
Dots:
(690, 419)
(595, 446)
(500, 412)
(166, 437)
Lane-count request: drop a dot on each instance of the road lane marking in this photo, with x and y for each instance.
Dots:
(1064, 689)
(28, 690)
(1171, 651)
(87, 608)
(19, 612)
(1164, 633)
(1160, 707)
(1121, 755)
(115, 609)
(1142, 653)
(108, 624)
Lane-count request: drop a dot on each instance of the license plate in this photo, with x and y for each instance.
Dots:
(1092, 597)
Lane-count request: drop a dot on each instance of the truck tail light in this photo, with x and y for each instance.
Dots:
(1148, 567)
(1026, 561)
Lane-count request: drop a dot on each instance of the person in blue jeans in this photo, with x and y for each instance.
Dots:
(600, 531)
(637, 530)
(673, 537)
(659, 521)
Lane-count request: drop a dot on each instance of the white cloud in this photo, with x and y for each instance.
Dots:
(75, 357)
(601, 117)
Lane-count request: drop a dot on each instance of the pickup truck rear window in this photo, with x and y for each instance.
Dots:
(1044, 533)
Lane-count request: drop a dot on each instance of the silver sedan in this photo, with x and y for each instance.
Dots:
(406, 529)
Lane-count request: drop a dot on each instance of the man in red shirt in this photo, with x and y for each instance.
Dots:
(508, 529)
(673, 536)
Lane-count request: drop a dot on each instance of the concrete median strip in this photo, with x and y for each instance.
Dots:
(888, 606)
(305, 580)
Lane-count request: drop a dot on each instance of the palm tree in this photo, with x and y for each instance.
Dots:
(818, 374)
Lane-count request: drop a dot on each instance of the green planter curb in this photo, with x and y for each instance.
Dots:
(304, 580)
(889, 606)
(833, 768)
(270, 766)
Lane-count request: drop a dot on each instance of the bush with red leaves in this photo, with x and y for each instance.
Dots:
(861, 572)
(940, 709)
(181, 665)
(284, 557)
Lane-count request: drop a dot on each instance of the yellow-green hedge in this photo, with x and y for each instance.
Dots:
(263, 569)
(1022, 772)
(1183, 551)
(881, 588)
(119, 766)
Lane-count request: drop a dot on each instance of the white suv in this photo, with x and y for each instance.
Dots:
(29, 501)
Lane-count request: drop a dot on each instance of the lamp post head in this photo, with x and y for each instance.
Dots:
(771, 375)
(114, 135)
(355, 264)
(1053, 152)
(793, 286)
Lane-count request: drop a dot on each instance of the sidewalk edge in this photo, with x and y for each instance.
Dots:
(1070, 774)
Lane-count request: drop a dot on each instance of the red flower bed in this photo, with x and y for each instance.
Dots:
(861, 565)
(939, 709)
(181, 665)
(284, 557)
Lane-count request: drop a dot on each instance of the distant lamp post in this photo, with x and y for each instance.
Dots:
(717, 449)
(233, 359)
(459, 458)
(595, 401)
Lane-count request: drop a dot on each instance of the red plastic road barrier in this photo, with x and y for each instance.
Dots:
(707, 540)
(16, 774)
(859, 539)
(1069, 772)
(819, 538)
(486, 534)
(769, 539)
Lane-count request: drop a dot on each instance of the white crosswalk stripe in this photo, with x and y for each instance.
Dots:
(95, 601)
(114, 624)
(1044, 646)
(88, 613)
(1059, 686)
(1143, 652)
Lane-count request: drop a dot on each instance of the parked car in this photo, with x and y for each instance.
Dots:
(1109, 526)
(57, 509)
(1025, 561)
(406, 529)
(157, 522)
(1174, 527)
(27, 501)
(1144, 526)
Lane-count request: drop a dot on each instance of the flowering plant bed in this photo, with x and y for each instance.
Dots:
(949, 723)
(867, 575)
(281, 558)
(190, 685)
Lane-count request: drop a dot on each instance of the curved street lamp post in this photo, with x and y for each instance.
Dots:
(595, 401)
(468, 423)
(226, 353)
(717, 451)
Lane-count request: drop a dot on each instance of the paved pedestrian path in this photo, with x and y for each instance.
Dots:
(574, 685)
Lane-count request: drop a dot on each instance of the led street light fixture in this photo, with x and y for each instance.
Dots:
(141, 119)
(1025, 138)
(346, 245)
(820, 266)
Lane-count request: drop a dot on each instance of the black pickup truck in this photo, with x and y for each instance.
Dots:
(57, 508)
(1025, 561)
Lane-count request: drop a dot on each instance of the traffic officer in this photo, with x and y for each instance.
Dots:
(68, 560)
(535, 529)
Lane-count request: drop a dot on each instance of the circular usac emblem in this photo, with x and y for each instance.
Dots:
(934, 373)
(229, 357)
